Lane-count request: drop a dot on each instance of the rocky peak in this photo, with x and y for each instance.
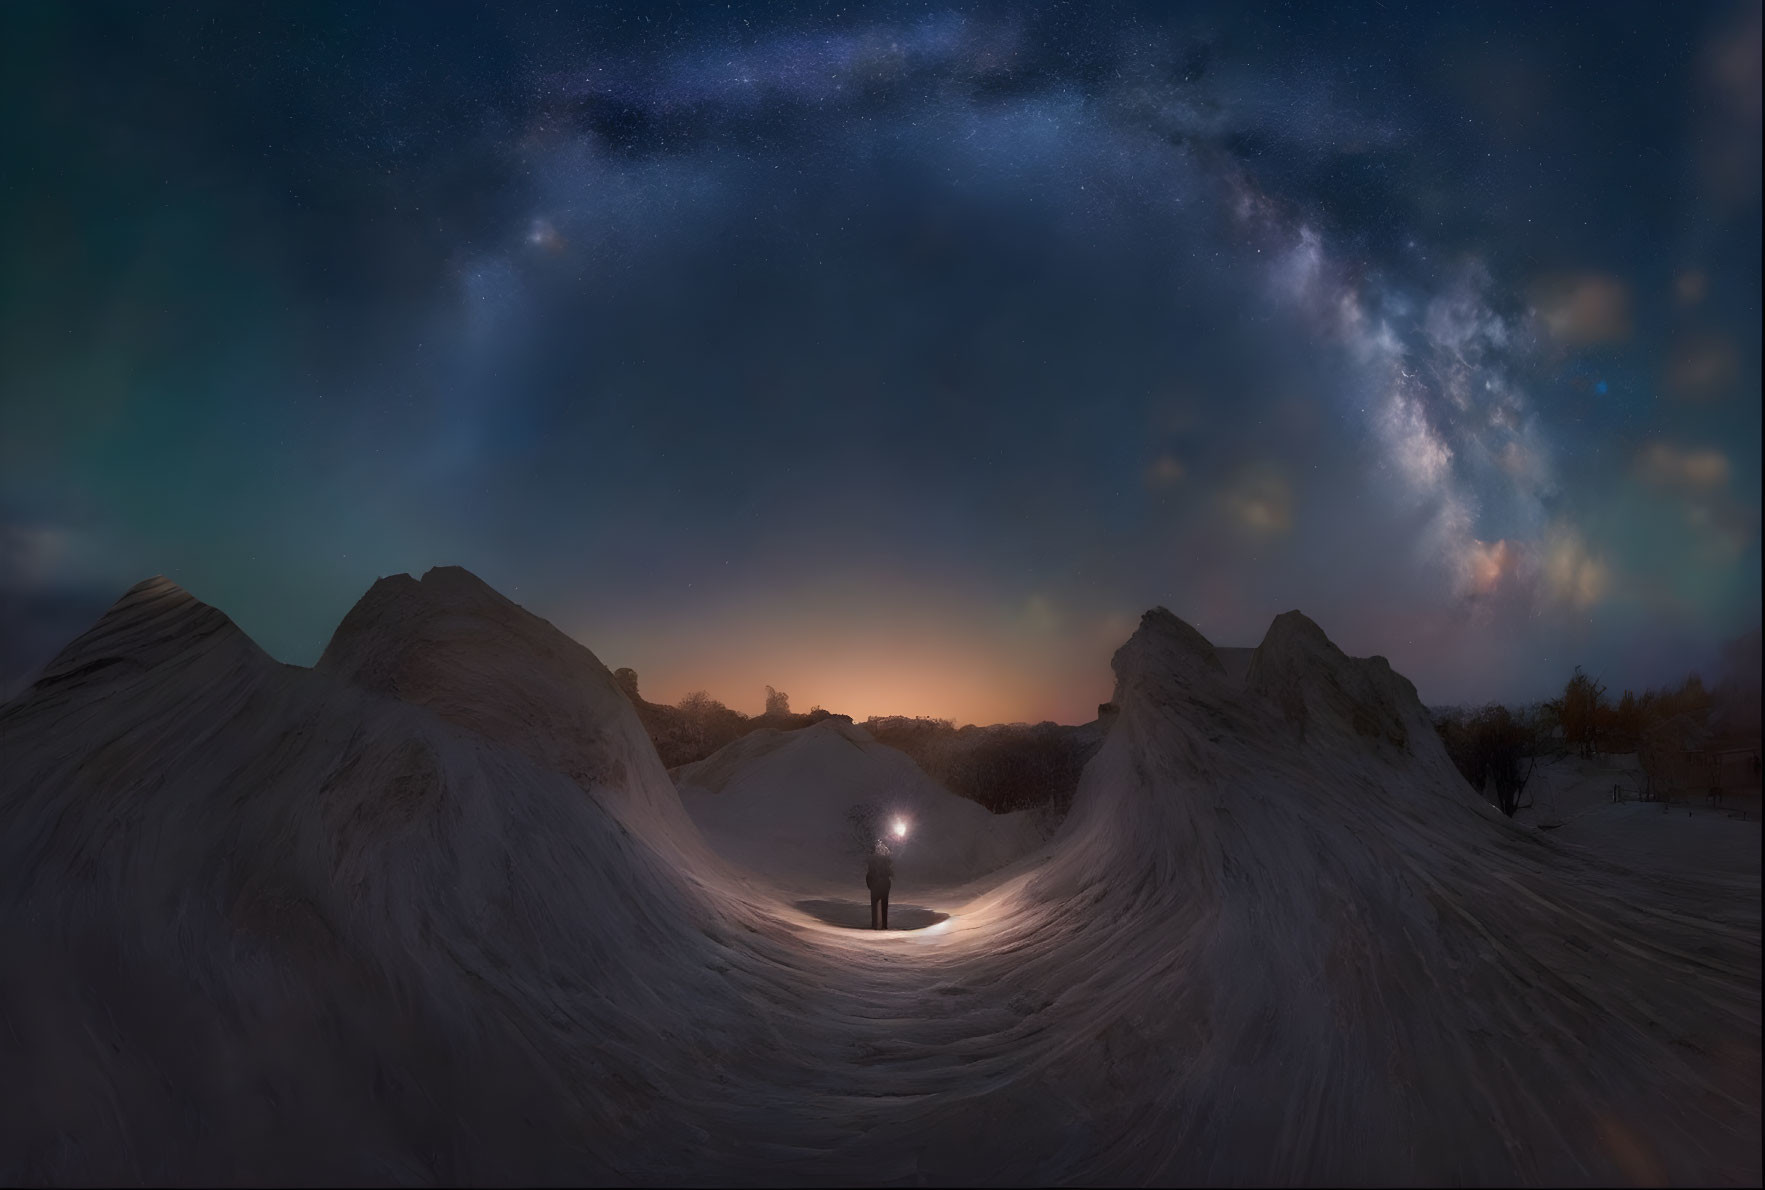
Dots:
(1165, 654)
(154, 622)
(1314, 683)
(452, 644)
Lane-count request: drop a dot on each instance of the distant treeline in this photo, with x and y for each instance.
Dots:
(1006, 767)
(1496, 747)
(699, 725)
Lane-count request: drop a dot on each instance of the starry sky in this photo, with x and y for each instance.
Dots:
(897, 356)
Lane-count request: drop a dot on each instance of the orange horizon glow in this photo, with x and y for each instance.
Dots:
(877, 649)
(872, 682)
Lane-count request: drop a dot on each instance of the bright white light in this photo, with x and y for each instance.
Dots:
(900, 829)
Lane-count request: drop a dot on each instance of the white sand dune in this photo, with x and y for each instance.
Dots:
(263, 925)
(431, 913)
(803, 806)
(456, 647)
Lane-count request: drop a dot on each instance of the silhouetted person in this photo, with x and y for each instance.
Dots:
(878, 875)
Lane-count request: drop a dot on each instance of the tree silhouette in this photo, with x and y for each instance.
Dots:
(707, 724)
(1495, 749)
(777, 702)
(699, 703)
(626, 679)
(1580, 711)
(1506, 745)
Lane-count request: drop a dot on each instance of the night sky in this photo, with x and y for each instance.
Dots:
(896, 356)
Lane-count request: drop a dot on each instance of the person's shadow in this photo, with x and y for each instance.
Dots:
(855, 915)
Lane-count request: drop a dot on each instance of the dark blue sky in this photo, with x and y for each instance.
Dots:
(897, 356)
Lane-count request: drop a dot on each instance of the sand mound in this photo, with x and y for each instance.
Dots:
(453, 645)
(428, 914)
(1371, 976)
(261, 924)
(807, 805)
